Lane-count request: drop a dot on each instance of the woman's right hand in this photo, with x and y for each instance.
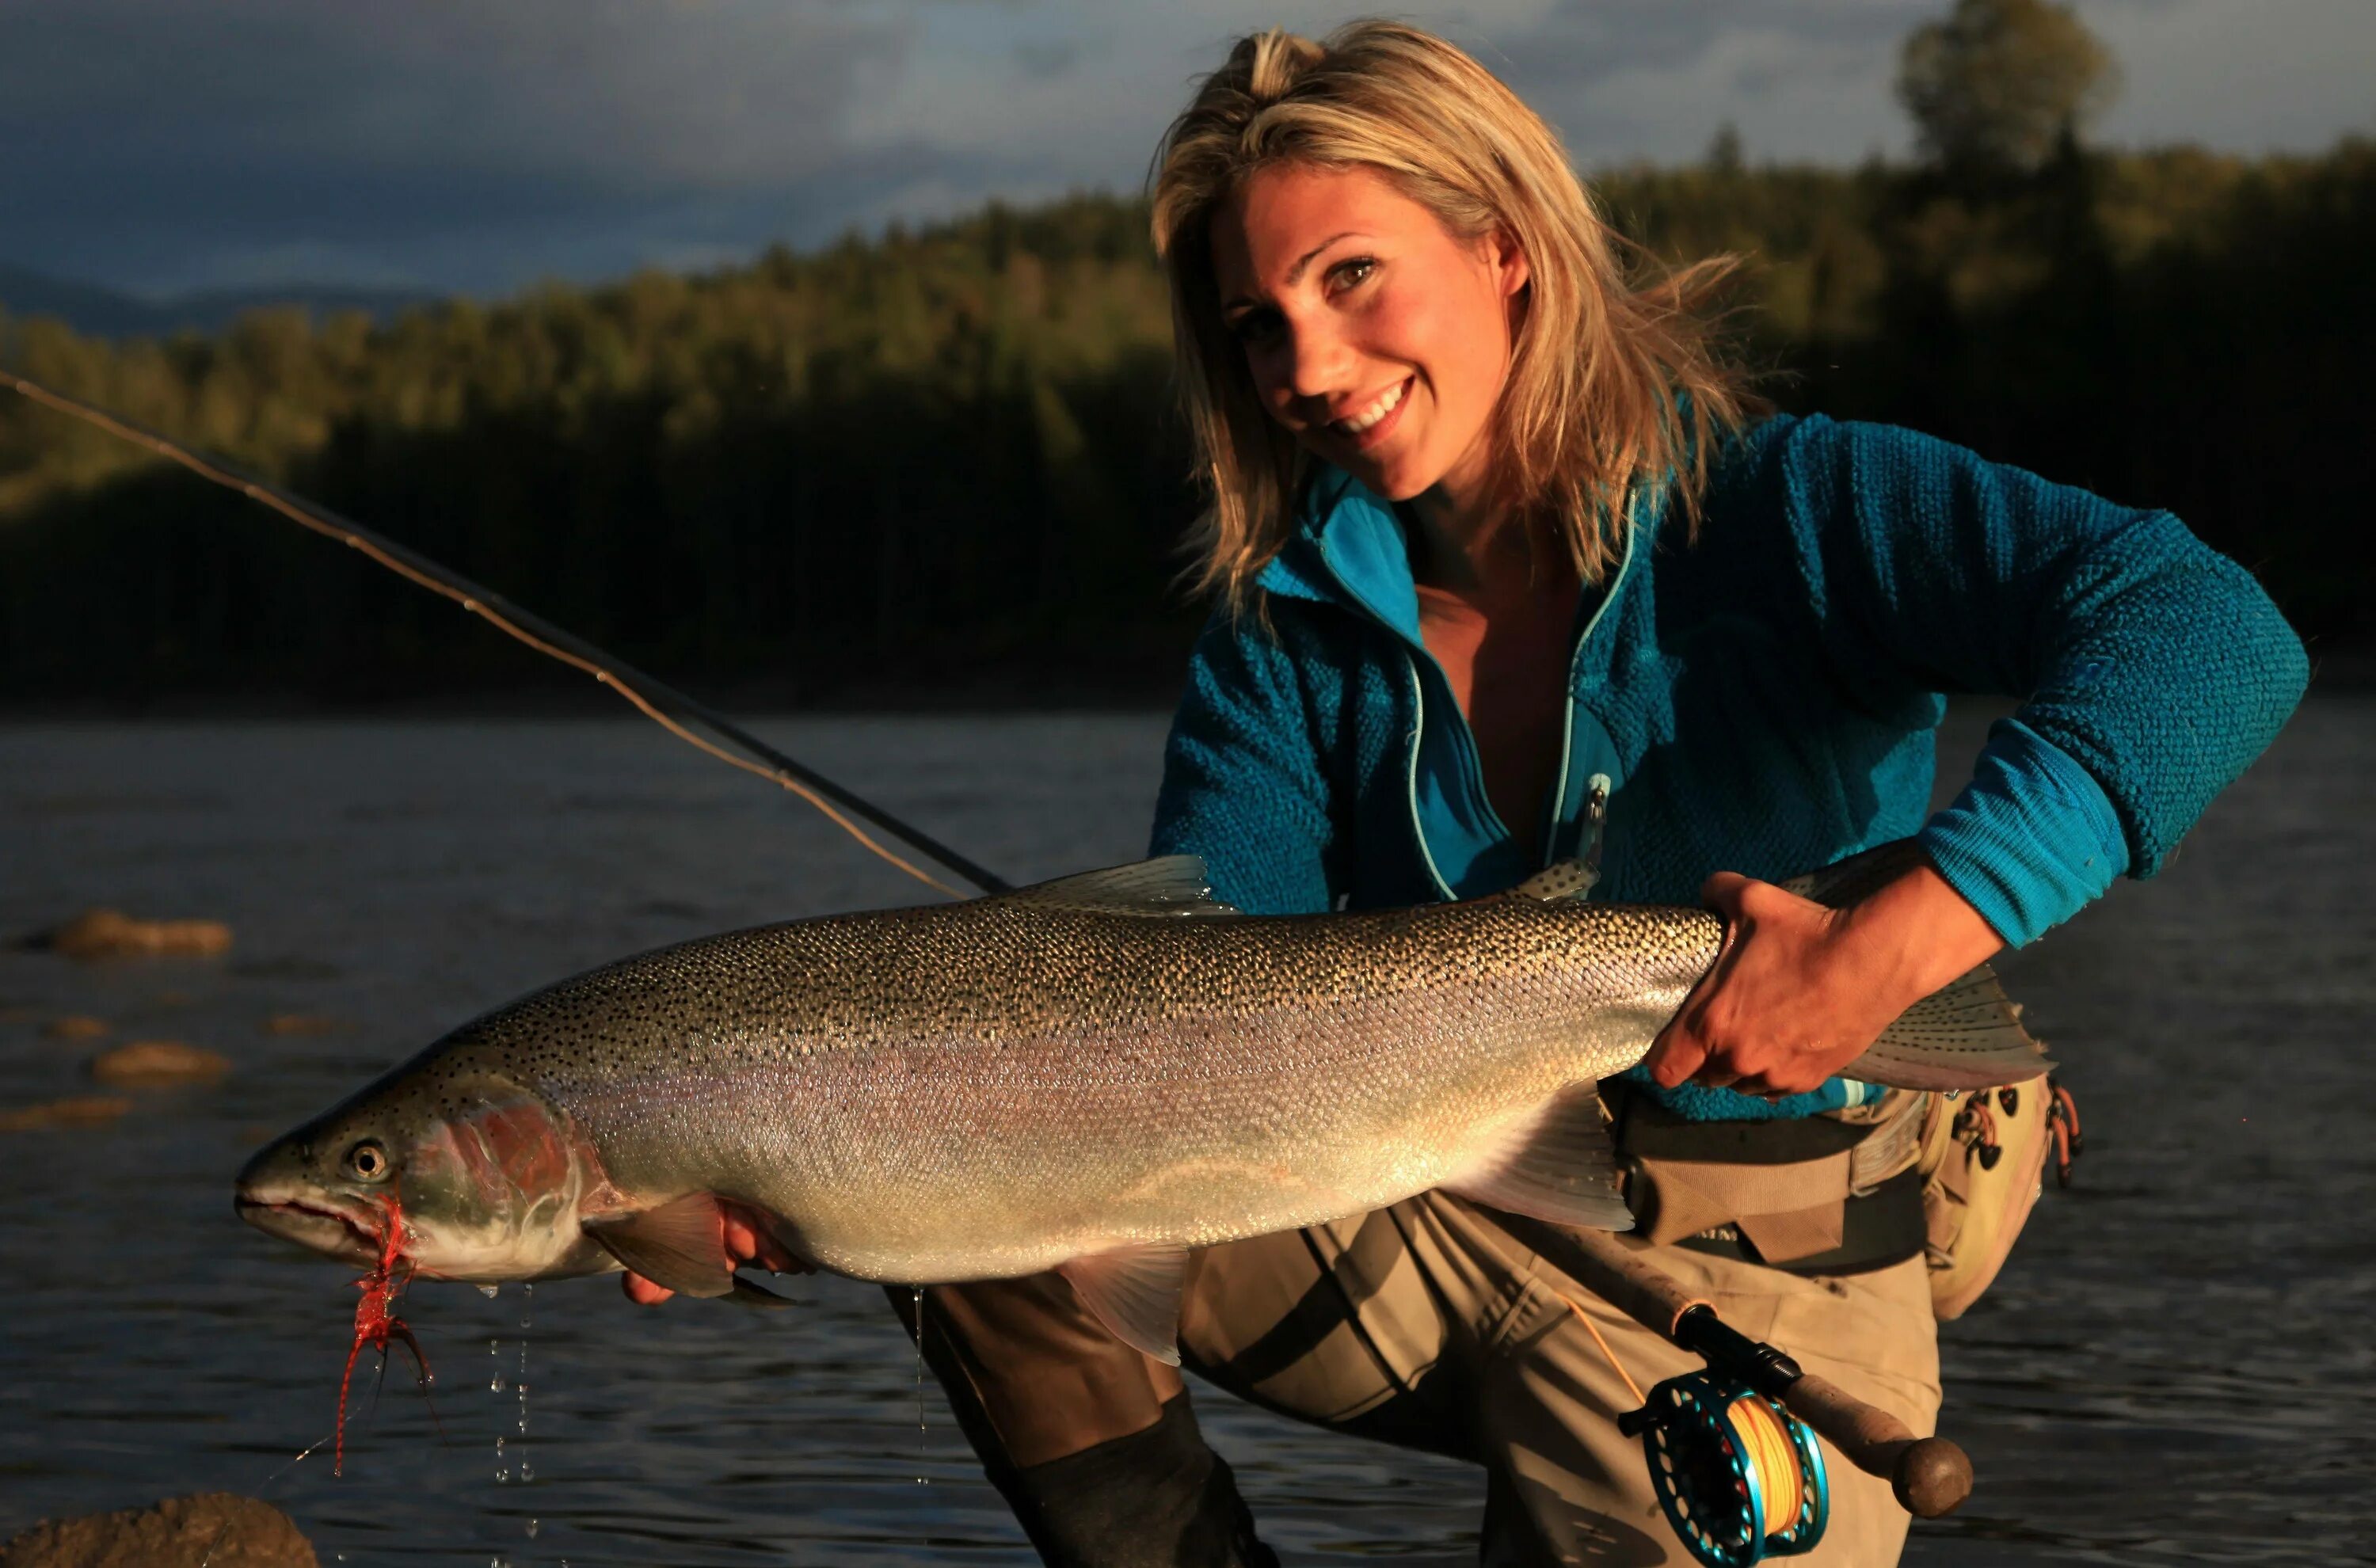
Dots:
(747, 1239)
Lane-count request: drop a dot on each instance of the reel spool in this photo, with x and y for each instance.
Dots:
(1738, 1477)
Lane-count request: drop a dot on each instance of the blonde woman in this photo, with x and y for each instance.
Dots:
(1507, 564)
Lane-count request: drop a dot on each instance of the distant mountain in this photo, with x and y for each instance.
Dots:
(104, 312)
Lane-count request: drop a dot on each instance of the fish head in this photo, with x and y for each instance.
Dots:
(474, 1176)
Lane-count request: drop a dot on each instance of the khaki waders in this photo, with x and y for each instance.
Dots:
(1435, 1325)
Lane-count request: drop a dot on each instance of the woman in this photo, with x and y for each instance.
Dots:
(1509, 572)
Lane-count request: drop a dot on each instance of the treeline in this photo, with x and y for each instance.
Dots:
(947, 457)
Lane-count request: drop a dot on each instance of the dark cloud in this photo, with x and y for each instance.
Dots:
(480, 144)
(251, 127)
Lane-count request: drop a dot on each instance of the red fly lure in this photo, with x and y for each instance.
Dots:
(374, 1323)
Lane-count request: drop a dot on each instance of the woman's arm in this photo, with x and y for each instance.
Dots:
(1243, 780)
(2153, 671)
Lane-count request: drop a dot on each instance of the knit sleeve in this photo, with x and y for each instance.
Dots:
(2152, 670)
(1242, 781)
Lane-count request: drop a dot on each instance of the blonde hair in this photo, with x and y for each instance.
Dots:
(1593, 416)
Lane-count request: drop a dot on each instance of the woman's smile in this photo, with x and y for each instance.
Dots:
(1370, 423)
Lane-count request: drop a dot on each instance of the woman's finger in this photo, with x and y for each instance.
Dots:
(749, 1241)
(643, 1292)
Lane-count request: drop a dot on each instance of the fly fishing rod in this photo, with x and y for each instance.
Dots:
(662, 704)
(1739, 1485)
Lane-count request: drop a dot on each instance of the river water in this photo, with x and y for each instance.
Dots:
(2175, 1367)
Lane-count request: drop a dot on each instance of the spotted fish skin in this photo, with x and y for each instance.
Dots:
(995, 1088)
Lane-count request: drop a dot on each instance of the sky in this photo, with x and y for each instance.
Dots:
(477, 146)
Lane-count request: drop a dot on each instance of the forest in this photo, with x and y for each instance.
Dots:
(940, 464)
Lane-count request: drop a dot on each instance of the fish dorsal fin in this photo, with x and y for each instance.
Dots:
(680, 1244)
(1168, 885)
(1135, 1293)
(1843, 882)
(1964, 1035)
(1561, 881)
(1557, 1165)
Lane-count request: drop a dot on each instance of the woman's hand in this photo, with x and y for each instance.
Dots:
(1799, 990)
(746, 1241)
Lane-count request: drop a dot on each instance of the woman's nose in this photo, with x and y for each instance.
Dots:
(1316, 362)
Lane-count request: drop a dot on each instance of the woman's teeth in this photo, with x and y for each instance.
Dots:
(1373, 413)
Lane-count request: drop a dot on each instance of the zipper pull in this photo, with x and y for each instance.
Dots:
(1596, 817)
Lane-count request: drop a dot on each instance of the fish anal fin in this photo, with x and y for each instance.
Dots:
(1557, 1165)
(1168, 885)
(1134, 1291)
(1964, 1035)
(680, 1244)
(1562, 882)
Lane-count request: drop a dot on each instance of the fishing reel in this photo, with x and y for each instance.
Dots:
(1740, 1478)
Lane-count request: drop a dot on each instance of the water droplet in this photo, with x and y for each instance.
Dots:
(532, 1526)
(496, 1384)
(490, 1291)
(528, 1473)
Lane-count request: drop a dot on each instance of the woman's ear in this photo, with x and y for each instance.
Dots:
(1508, 259)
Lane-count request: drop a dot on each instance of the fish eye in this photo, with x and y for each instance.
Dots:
(367, 1162)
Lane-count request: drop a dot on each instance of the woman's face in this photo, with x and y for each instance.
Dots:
(1374, 333)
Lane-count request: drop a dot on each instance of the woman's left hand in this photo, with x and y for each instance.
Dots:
(1799, 990)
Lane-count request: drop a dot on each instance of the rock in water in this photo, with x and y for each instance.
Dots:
(81, 1111)
(217, 1529)
(112, 933)
(151, 1061)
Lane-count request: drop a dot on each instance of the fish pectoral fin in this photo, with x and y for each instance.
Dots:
(1557, 1165)
(1135, 1293)
(1168, 885)
(1964, 1035)
(680, 1244)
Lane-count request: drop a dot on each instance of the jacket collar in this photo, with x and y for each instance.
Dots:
(1348, 549)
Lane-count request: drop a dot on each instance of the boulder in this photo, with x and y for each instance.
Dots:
(112, 933)
(153, 1062)
(74, 1025)
(213, 1529)
(85, 1111)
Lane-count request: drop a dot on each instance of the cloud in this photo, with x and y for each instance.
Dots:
(180, 139)
(478, 144)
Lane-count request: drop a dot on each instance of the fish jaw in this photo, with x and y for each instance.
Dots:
(311, 1218)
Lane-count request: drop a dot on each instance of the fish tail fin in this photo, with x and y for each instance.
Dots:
(1967, 1035)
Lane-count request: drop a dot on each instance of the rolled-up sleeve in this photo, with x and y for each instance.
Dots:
(2151, 668)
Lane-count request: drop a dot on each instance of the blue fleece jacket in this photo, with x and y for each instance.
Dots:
(1760, 700)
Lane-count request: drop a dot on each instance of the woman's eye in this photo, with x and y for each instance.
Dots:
(368, 1161)
(1351, 271)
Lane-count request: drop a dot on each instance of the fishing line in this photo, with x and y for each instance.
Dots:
(655, 700)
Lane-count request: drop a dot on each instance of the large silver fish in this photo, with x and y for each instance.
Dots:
(1092, 1075)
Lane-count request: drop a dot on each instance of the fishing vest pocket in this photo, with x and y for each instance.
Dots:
(1982, 1162)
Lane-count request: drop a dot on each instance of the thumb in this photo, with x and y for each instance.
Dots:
(1675, 1054)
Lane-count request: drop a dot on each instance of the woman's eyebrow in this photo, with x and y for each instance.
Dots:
(1297, 270)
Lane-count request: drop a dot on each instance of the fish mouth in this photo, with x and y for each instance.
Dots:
(317, 1226)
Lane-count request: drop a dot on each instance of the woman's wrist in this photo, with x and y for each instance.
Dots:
(1913, 935)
